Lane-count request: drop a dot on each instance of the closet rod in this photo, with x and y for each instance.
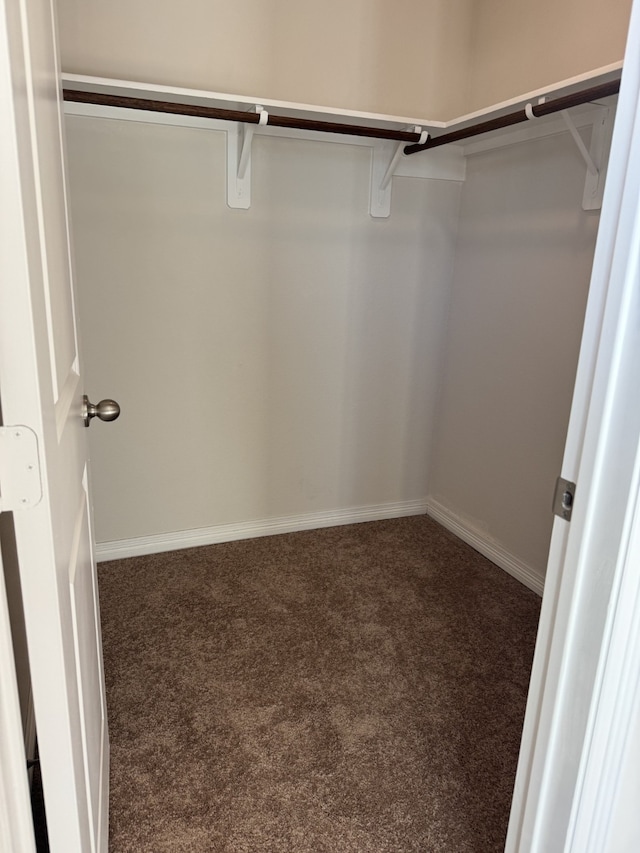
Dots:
(536, 110)
(130, 103)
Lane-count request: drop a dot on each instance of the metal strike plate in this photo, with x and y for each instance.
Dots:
(20, 482)
(563, 498)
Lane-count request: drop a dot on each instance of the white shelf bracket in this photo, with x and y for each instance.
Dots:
(596, 156)
(582, 148)
(382, 170)
(239, 141)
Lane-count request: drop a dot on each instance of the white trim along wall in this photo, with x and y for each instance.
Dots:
(490, 548)
(141, 545)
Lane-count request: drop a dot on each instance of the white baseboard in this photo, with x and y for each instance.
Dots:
(486, 545)
(120, 549)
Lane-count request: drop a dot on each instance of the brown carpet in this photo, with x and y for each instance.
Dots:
(352, 689)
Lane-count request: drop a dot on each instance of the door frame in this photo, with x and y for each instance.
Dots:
(16, 824)
(560, 800)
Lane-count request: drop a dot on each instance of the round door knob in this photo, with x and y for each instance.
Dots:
(106, 410)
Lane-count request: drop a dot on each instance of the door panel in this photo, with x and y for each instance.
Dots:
(41, 386)
(47, 123)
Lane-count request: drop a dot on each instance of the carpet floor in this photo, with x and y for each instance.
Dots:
(353, 689)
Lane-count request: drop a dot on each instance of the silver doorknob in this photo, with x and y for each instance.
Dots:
(106, 410)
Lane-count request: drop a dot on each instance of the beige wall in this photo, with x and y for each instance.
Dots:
(433, 59)
(269, 362)
(519, 45)
(523, 263)
(403, 57)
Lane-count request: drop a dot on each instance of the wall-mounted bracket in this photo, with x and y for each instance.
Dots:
(595, 157)
(598, 152)
(239, 140)
(384, 163)
(582, 148)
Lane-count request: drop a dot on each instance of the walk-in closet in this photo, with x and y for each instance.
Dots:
(328, 331)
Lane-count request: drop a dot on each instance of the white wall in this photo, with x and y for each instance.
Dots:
(523, 261)
(282, 331)
(403, 57)
(288, 359)
(269, 362)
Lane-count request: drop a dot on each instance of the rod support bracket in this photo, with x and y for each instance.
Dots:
(383, 168)
(598, 152)
(239, 142)
(582, 148)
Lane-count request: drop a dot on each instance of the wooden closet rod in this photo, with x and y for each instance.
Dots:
(236, 115)
(537, 110)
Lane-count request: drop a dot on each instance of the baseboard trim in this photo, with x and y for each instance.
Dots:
(139, 546)
(486, 545)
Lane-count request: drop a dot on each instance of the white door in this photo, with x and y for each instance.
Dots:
(41, 395)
